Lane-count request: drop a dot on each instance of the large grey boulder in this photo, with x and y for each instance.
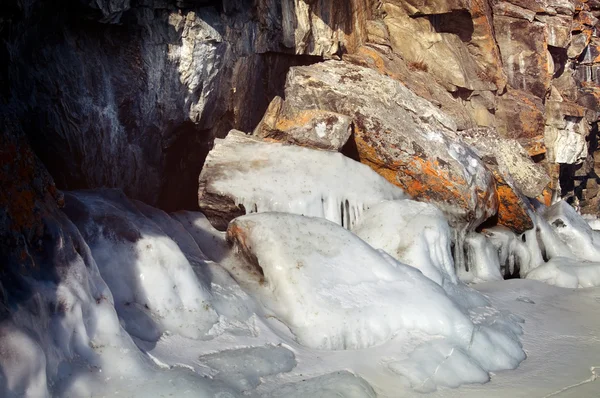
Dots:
(403, 137)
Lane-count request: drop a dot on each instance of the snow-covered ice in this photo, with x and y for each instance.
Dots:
(265, 176)
(154, 286)
(297, 306)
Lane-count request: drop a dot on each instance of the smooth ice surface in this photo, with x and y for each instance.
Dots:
(244, 367)
(275, 177)
(333, 385)
(414, 233)
(153, 284)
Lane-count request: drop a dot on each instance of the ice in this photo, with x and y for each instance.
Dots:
(513, 254)
(275, 177)
(439, 364)
(332, 289)
(209, 240)
(417, 234)
(22, 364)
(335, 292)
(574, 231)
(154, 285)
(335, 385)
(244, 367)
(567, 272)
(64, 338)
(414, 233)
(482, 261)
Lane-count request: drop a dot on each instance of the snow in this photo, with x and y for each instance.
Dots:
(275, 177)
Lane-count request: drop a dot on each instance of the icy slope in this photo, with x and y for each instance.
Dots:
(152, 281)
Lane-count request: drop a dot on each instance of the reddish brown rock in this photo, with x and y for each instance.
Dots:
(515, 173)
(520, 115)
(404, 138)
(311, 128)
(524, 49)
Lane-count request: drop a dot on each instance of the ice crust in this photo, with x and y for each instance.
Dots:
(275, 177)
(414, 233)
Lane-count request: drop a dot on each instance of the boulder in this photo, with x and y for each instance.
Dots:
(403, 137)
(243, 174)
(515, 173)
(311, 128)
(418, 80)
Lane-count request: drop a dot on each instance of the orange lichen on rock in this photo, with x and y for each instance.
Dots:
(424, 179)
(512, 210)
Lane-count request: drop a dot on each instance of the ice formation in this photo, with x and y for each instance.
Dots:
(513, 254)
(275, 177)
(414, 233)
(154, 286)
(336, 292)
(567, 272)
(574, 231)
(66, 339)
(483, 263)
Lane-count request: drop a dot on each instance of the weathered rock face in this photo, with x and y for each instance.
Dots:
(152, 83)
(401, 136)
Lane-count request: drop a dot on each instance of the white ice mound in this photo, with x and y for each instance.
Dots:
(334, 291)
(574, 231)
(153, 284)
(414, 233)
(567, 272)
(265, 176)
